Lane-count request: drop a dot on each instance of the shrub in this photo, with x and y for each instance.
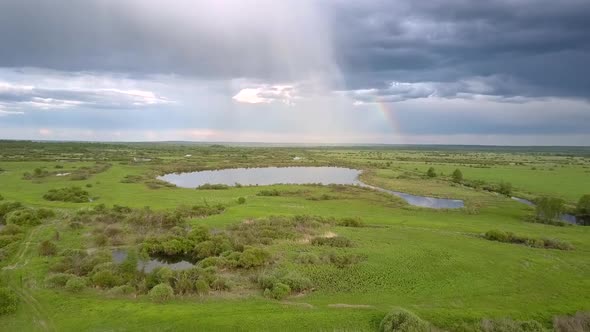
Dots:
(400, 320)
(1, 198)
(221, 284)
(271, 192)
(509, 325)
(56, 280)
(201, 287)
(23, 217)
(241, 200)
(254, 257)
(8, 239)
(208, 186)
(7, 207)
(278, 292)
(457, 176)
(500, 236)
(101, 240)
(505, 188)
(343, 260)
(578, 322)
(47, 248)
(496, 235)
(105, 279)
(69, 194)
(11, 229)
(161, 293)
(122, 290)
(431, 173)
(8, 301)
(337, 241)
(351, 222)
(307, 258)
(75, 284)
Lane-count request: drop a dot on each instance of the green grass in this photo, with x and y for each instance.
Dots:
(430, 262)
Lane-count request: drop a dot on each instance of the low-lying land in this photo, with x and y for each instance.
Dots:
(91, 240)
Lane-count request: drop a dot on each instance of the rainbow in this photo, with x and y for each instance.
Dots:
(387, 110)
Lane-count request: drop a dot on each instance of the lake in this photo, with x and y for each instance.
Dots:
(264, 176)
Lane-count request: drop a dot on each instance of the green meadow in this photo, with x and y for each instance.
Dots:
(434, 263)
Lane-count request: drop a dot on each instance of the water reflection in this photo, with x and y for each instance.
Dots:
(119, 256)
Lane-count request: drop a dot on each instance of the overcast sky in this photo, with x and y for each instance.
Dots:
(335, 71)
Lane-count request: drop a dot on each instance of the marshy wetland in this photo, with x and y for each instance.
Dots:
(212, 237)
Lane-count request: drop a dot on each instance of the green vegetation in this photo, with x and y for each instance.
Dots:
(69, 194)
(509, 237)
(208, 186)
(8, 301)
(431, 173)
(287, 257)
(403, 321)
(161, 293)
(457, 176)
(548, 209)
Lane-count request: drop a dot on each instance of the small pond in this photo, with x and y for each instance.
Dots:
(119, 255)
(296, 175)
(569, 218)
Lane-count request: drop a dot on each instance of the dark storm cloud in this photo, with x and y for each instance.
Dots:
(207, 39)
(542, 45)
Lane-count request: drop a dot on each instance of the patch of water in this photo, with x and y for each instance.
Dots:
(297, 175)
(119, 255)
(569, 218)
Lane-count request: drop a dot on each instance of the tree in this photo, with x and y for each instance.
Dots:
(8, 301)
(431, 172)
(457, 176)
(583, 210)
(549, 208)
(583, 207)
(241, 200)
(505, 188)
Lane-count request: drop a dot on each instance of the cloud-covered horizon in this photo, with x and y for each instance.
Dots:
(454, 71)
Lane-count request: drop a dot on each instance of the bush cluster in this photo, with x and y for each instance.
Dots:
(68, 194)
(280, 284)
(269, 192)
(336, 241)
(209, 186)
(509, 325)
(6, 208)
(509, 237)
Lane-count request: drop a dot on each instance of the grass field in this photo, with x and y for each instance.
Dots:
(432, 262)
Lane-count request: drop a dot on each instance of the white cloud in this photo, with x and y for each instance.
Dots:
(286, 94)
(39, 89)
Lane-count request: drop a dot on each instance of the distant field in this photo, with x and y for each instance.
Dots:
(434, 263)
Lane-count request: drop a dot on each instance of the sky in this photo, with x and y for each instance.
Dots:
(494, 72)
